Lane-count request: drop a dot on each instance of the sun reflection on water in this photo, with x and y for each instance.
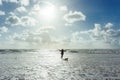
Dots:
(50, 57)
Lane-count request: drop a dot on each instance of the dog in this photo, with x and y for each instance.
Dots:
(65, 59)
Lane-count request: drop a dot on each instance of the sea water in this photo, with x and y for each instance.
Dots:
(83, 64)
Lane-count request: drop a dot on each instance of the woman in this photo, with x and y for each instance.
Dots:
(62, 52)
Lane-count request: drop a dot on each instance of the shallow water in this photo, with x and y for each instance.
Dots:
(47, 65)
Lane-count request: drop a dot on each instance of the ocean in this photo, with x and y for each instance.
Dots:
(82, 64)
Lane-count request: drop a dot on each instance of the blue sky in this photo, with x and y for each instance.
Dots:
(59, 24)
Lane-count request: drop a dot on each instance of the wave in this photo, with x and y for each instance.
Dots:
(6, 51)
(95, 51)
(81, 51)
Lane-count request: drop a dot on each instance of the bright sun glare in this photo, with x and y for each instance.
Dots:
(47, 12)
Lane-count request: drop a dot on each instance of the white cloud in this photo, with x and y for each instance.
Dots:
(0, 2)
(21, 2)
(76, 37)
(96, 32)
(68, 24)
(33, 39)
(35, 10)
(108, 25)
(25, 21)
(40, 38)
(48, 28)
(13, 1)
(24, 2)
(28, 21)
(13, 20)
(3, 29)
(21, 9)
(100, 34)
(98, 37)
(72, 17)
(113, 33)
(64, 8)
(11, 13)
(2, 12)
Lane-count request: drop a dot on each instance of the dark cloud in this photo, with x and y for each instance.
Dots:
(14, 20)
(23, 21)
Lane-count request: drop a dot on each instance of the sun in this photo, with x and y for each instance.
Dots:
(47, 11)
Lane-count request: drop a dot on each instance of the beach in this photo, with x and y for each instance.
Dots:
(47, 65)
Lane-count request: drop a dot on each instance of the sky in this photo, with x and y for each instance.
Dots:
(73, 24)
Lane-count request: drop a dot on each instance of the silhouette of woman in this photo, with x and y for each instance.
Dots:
(62, 52)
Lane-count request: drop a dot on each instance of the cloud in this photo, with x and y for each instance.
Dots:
(12, 1)
(3, 29)
(47, 28)
(0, 2)
(72, 17)
(25, 21)
(42, 4)
(41, 38)
(28, 21)
(2, 13)
(64, 8)
(21, 2)
(33, 39)
(76, 37)
(108, 25)
(21, 9)
(104, 34)
(98, 37)
(96, 32)
(24, 2)
(13, 20)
